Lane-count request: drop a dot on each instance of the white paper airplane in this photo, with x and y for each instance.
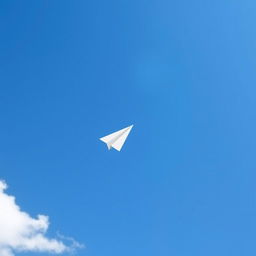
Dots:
(117, 139)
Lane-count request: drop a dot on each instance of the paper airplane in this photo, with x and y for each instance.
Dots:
(117, 139)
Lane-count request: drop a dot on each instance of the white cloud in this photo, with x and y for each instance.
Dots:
(19, 232)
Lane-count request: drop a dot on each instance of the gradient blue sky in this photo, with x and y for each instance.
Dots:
(181, 71)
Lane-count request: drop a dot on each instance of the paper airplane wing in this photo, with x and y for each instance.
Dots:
(118, 144)
(111, 137)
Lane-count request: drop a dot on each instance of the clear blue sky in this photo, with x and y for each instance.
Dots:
(181, 71)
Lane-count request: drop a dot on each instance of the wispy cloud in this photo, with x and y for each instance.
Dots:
(19, 232)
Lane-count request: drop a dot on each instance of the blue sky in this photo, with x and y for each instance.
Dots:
(183, 72)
